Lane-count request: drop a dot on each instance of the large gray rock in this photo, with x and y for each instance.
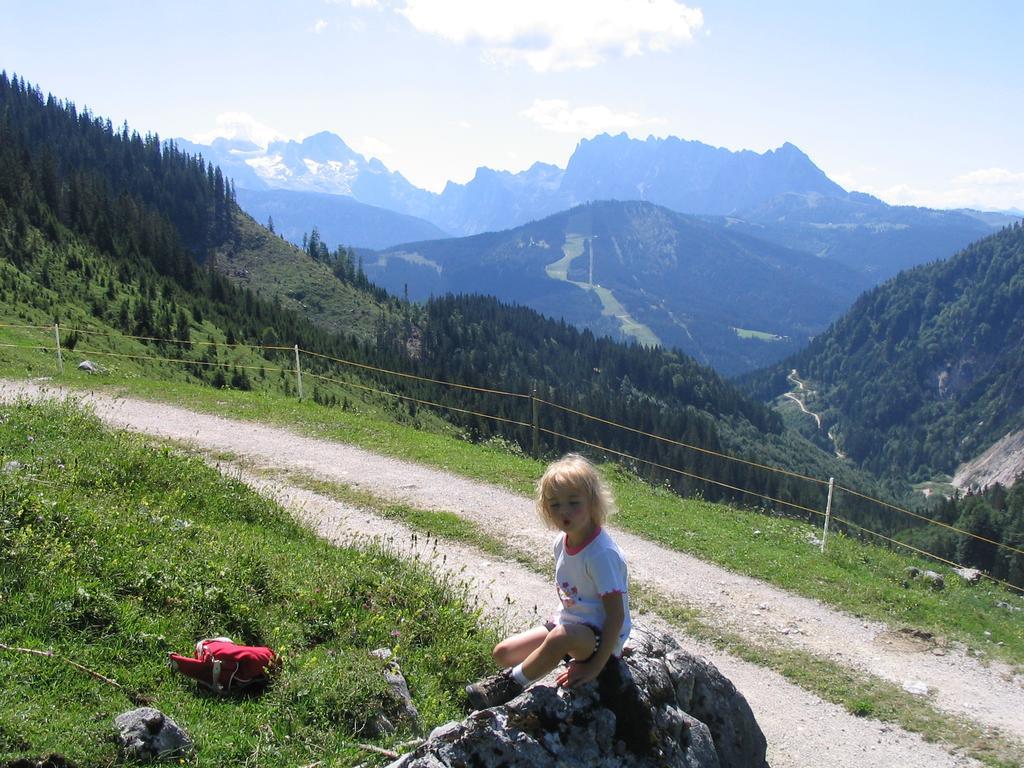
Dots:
(148, 734)
(659, 706)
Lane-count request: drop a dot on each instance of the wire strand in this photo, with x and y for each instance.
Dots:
(209, 363)
(922, 551)
(32, 327)
(417, 400)
(681, 444)
(929, 520)
(682, 472)
(414, 376)
(176, 341)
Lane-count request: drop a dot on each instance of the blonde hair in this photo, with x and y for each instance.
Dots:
(574, 472)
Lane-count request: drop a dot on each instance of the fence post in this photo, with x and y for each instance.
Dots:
(298, 371)
(828, 511)
(536, 422)
(60, 357)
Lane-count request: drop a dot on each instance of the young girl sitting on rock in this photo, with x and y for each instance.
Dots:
(591, 578)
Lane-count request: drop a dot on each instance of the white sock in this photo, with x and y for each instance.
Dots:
(519, 677)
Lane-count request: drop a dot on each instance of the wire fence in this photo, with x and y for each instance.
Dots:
(534, 425)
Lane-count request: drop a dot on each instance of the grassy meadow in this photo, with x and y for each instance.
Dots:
(114, 552)
(854, 575)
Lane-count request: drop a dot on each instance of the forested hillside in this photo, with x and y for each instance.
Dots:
(121, 235)
(634, 270)
(996, 514)
(125, 230)
(927, 370)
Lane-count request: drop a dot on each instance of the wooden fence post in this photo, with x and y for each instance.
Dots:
(828, 511)
(298, 371)
(536, 422)
(60, 357)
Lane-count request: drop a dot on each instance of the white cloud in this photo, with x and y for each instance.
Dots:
(368, 146)
(239, 125)
(559, 35)
(984, 189)
(991, 177)
(558, 116)
(320, 26)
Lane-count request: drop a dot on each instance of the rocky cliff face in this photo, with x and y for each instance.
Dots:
(1003, 463)
(659, 706)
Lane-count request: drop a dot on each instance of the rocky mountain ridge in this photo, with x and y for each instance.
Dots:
(778, 195)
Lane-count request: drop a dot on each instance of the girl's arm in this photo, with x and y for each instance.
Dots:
(577, 673)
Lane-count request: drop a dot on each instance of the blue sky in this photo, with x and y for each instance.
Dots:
(917, 102)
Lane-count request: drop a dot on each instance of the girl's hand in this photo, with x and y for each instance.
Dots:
(578, 673)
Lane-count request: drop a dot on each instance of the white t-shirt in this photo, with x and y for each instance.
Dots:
(584, 576)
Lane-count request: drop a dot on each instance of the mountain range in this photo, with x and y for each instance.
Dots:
(779, 194)
(639, 272)
(779, 250)
(686, 176)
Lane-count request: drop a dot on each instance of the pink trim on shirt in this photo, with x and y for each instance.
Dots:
(570, 550)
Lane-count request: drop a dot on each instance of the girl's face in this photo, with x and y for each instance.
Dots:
(569, 508)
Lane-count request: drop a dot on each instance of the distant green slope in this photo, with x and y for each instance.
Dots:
(926, 370)
(277, 270)
(729, 300)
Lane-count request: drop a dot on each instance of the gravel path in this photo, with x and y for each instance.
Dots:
(801, 729)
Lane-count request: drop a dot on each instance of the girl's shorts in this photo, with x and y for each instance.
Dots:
(550, 625)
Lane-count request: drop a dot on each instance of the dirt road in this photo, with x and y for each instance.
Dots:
(802, 730)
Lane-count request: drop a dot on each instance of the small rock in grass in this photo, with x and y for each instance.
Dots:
(407, 711)
(915, 687)
(970, 575)
(148, 734)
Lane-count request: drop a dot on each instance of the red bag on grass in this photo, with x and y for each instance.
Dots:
(223, 666)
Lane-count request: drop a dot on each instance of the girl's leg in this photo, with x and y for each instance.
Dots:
(576, 640)
(513, 650)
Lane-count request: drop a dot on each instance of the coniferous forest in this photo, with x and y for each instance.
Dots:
(131, 229)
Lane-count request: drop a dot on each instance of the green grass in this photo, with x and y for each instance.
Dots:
(863, 579)
(114, 552)
(271, 266)
(941, 486)
(860, 694)
(610, 306)
(745, 333)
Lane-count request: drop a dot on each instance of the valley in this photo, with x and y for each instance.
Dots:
(800, 396)
(659, 277)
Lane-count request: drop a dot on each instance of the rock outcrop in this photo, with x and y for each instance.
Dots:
(146, 734)
(657, 706)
